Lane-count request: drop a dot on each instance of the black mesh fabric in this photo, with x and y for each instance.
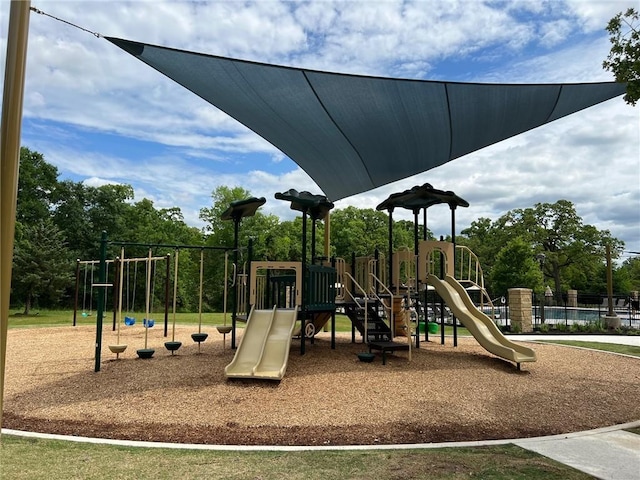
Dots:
(354, 133)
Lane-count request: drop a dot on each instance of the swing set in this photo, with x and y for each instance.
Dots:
(86, 269)
(122, 300)
(129, 318)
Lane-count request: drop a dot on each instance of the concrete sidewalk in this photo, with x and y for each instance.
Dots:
(606, 453)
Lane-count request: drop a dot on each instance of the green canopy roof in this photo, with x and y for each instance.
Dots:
(354, 133)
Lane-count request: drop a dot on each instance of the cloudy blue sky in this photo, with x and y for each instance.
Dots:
(102, 116)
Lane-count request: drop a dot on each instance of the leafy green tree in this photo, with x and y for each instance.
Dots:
(630, 269)
(624, 57)
(574, 251)
(221, 197)
(359, 231)
(82, 212)
(515, 267)
(41, 264)
(36, 184)
(71, 203)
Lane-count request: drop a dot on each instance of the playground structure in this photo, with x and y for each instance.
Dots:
(273, 296)
(282, 300)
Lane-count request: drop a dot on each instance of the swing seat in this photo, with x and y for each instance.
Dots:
(224, 329)
(145, 352)
(199, 337)
(172, 346)
(117, 348)
(148, 323)
(129, 321)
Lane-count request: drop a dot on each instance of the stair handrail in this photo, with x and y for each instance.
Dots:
(341, 288)
(474, 274)
(355, 301)
(381, 300)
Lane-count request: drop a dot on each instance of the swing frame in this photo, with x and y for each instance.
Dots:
(104, 243)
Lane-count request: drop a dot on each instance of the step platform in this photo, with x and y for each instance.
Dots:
(385, 347)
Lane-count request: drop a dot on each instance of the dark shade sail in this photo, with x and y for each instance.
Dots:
(354, 133)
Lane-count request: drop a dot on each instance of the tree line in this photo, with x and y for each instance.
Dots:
(60, 221)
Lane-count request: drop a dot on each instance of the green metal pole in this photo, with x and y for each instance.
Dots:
(102, 279)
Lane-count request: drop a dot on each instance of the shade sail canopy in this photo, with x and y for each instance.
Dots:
(354, 133)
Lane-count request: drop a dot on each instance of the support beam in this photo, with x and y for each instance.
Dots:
(15, 67)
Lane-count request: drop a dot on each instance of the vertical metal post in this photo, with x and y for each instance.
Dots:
(424, 219)
(390, 261)
(166, 295)
(247, 306)
(102, 273)
(453, 240)
(415, 230)
(313, 240)
(75, 300)
(353, 275)
(302, 287)
(441, 299)
(333, 314)
(116, 289)
(15, 66)
(234, 291)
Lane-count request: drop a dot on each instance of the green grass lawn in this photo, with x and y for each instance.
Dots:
(34, 459)
(54, 318)
(607, 347)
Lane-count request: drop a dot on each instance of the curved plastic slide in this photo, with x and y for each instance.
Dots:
(264, 349)
(479, 325)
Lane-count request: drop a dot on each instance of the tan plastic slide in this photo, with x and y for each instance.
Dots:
(264, 349)
(479, 325)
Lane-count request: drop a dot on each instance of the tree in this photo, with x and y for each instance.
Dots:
(42, 267)
(516, 267)
(36, 184)
(630, 269)
(624, 57)
(574, 251)
(359, 230)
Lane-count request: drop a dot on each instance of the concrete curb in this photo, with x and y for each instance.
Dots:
(302, 448)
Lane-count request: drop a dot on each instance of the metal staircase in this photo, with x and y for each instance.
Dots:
(366, 317)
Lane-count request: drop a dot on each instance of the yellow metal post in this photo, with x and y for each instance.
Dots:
(15, 67)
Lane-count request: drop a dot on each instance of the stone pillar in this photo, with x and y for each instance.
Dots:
(572, 298)
(520, 310)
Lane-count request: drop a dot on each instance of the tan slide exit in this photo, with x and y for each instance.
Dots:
(479, 325)
(264, 348)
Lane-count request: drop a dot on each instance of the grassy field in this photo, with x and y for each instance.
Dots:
(45, 459)
(55, 318)
(607, 347)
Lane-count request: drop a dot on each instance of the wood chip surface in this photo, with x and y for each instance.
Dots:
(327, 397)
